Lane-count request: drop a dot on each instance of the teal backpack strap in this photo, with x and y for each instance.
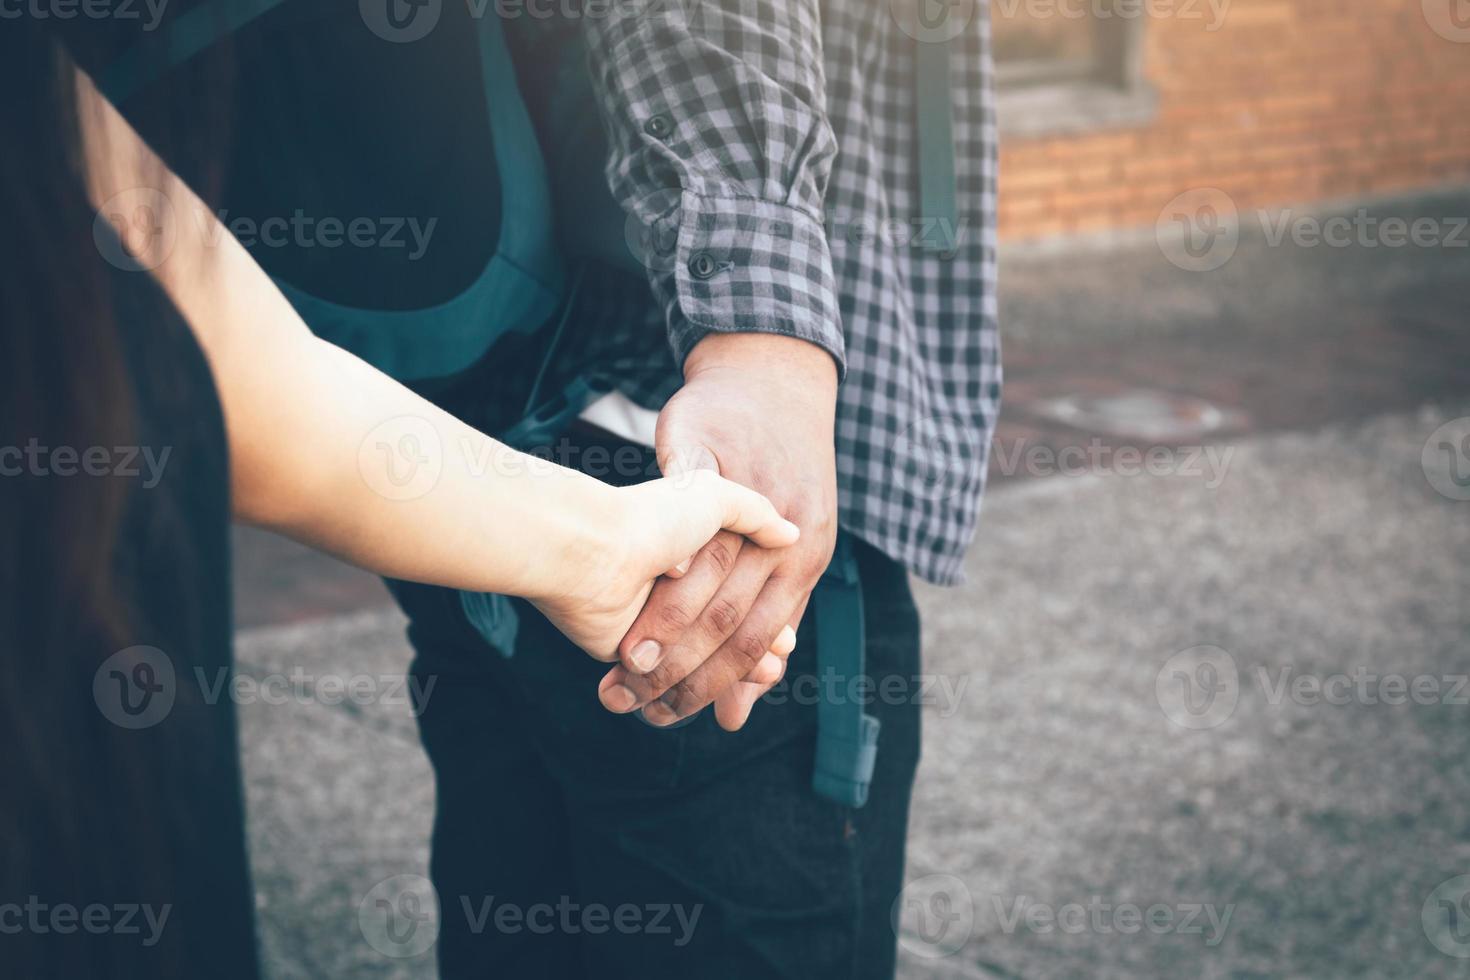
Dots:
(542, 420)
(520, 286)
(183, 37)
(937, 195)
(847, 736)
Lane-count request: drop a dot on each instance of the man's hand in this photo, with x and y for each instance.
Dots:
(759, 408)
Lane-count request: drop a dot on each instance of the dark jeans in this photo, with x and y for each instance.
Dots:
(571, 842)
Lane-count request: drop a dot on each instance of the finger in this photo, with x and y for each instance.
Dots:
(678, 462)
(746, 512)
(735, 658)
(768, 671)
(674, 604)
(720, 619)
(733, 707)
(763, 677)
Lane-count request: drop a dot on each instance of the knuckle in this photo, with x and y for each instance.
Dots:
(688, 696)
(721, 554)
(673, 671)
(671, 616)
(721, 617)
(813, 565)
(750, 646)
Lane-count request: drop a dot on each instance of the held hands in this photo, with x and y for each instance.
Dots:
(759, 409)
(641, 532)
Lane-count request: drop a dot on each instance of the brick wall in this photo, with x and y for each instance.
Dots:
(1288, 102)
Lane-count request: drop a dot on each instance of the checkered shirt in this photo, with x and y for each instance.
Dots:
(773, 146)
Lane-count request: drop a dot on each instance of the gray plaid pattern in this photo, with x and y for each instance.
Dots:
(775, 141)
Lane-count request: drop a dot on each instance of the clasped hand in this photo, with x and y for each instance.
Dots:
(705, 583)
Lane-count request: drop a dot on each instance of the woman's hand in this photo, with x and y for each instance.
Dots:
(649, 530)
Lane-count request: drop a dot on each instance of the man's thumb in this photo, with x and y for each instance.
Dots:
(677, 461)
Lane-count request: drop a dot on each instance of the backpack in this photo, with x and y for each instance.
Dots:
(524, 284)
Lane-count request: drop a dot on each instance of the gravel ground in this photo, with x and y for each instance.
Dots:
(1067, 775)
(1131, 766)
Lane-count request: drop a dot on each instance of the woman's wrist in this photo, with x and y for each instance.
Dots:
(578, 518)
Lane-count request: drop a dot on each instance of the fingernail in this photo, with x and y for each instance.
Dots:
(658, 713)
(683, 566)
(795, 531)
(645, 656)
(619, 698)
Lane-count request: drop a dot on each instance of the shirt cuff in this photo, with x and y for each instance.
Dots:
(744, 265)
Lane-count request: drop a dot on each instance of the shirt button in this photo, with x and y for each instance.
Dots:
(702, 266)
(660, 127)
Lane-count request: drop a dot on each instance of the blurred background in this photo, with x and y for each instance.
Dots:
(1202, 708)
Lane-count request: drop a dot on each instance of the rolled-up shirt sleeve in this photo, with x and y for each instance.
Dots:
(720, 155)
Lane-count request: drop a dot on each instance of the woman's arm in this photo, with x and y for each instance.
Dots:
(328, 450)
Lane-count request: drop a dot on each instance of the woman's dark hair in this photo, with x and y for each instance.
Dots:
(63, 383)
